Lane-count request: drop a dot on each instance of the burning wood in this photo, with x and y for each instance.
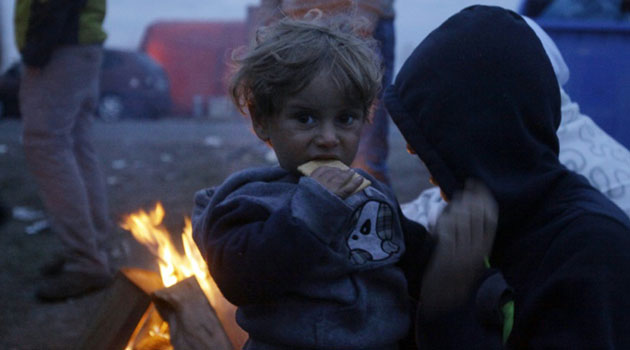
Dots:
(123, 308)
(198, 316)
(192, 322)
(152, 333)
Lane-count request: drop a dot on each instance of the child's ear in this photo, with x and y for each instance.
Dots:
(260, 128)
(259, 124)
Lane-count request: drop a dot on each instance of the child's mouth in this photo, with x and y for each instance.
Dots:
(325, 157)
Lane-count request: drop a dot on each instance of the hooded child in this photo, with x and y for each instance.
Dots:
(584, 148)
(478, 99)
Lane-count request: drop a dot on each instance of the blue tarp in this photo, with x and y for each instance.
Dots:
(598, 56)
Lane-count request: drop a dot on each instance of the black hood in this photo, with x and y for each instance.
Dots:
(478, 98)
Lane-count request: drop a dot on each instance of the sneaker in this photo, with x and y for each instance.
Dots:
(68, 284)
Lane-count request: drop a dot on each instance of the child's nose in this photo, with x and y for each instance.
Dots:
(327, 136)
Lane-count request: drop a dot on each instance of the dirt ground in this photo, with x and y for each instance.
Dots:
(144, 162)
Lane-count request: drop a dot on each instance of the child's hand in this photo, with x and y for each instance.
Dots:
(337, 181)
(465, 234)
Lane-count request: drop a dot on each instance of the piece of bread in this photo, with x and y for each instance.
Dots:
(308, 168)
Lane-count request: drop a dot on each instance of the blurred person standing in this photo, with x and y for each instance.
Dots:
(61, 46)
(379, 23)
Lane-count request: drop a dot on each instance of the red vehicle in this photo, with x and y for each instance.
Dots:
(195, 56)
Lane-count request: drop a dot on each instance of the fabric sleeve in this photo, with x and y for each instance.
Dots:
(581, 296)
(256, 254)
(478, 323)
(419, 245)
(577, 299)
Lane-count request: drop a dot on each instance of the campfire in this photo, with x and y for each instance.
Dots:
(179, 308)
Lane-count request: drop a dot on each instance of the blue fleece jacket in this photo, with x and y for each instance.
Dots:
(306, 268)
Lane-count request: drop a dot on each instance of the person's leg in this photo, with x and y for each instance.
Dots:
(89, 164)
(50, 101)
(374, 147)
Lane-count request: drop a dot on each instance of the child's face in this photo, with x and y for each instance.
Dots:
(316, 123)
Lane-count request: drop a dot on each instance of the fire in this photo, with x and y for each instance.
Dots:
(174, 267)
(147, 229)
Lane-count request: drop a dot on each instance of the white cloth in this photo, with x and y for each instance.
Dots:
(425, 209)
(586, 149)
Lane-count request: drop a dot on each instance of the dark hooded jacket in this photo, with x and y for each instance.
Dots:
(478, 99)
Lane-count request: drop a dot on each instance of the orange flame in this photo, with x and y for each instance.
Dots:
(147, 229)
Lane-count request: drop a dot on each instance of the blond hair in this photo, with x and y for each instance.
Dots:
(288, 55)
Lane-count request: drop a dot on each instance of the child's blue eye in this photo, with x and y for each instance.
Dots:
(304, 119)
(346, 119)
